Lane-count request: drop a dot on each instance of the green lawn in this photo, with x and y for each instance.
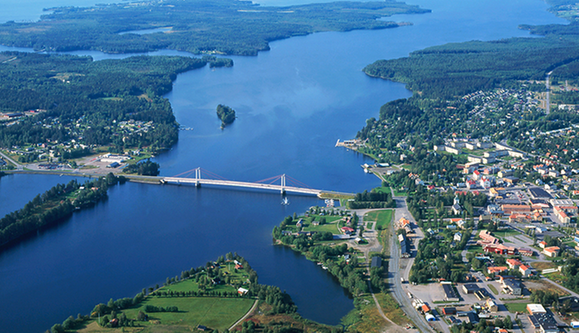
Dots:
(516, 307)
(475, 249)
(383, 218)
(324, 227)
(493, 289)
(213, 312)
(383, 189)
(400, 193)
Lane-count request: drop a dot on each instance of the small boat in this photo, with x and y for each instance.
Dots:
(284, 201)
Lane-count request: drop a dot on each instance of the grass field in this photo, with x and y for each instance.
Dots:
(213, 312)
(546, 286)
(392, 309)
(383, 218)
(383, 189)
(332, 227)
(475, 249)
(516, 307)
(541, 265)
(493, 289)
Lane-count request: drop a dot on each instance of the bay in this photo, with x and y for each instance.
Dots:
(293, 102)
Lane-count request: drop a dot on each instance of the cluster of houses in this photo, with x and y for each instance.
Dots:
(16, 115)
(508, 284)
(423, 308)
(76, 131)
(491, 244)
(550, 251)
(403, 239)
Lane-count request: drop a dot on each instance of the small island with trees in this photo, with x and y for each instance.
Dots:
(226, 114)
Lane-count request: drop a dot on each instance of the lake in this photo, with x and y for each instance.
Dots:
(293, 102)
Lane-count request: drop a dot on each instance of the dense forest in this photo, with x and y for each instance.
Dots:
(220, 26)
(458, 69)
(147, 168)
(88, 100)
(225, 114)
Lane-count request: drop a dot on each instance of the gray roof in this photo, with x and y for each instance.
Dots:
(376, 262)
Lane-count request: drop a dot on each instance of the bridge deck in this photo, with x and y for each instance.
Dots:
(195, 181)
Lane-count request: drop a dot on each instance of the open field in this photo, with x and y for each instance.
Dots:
(541, 265)
(544, 285)
(516, 307)
(331, 227)
(383, 218)
(196, 299)
(214, 312)
(475, 249)
(392, 309)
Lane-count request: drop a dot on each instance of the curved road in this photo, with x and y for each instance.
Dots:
(16, 164)
(246, 315)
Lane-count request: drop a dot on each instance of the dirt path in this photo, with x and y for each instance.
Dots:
(246, 315)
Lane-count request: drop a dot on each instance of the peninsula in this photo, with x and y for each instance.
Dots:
(196, 26)
(227, 286)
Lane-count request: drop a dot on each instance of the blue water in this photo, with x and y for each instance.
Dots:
(293, 102)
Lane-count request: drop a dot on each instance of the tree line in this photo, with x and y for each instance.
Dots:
(54, 205)
(372, 199)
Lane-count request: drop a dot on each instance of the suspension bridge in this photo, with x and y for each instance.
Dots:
(281, 183)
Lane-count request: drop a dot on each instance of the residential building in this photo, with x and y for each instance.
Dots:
(514, 263)
(526, 252)
(513, 286)
(551, 251)
(497, 269)
(525, 270)
(491, 305)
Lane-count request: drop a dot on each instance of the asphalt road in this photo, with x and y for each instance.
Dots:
(395, 274)
(18, 165)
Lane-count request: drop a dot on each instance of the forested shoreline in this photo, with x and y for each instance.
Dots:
(54, 205)
(223, 26)
(479, 90)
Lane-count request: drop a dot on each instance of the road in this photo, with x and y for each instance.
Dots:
(246, 315)
(547, 97)
(471, 239)
(395, 274)
(18, 165)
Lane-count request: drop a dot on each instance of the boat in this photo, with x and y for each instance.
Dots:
(285, 201)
